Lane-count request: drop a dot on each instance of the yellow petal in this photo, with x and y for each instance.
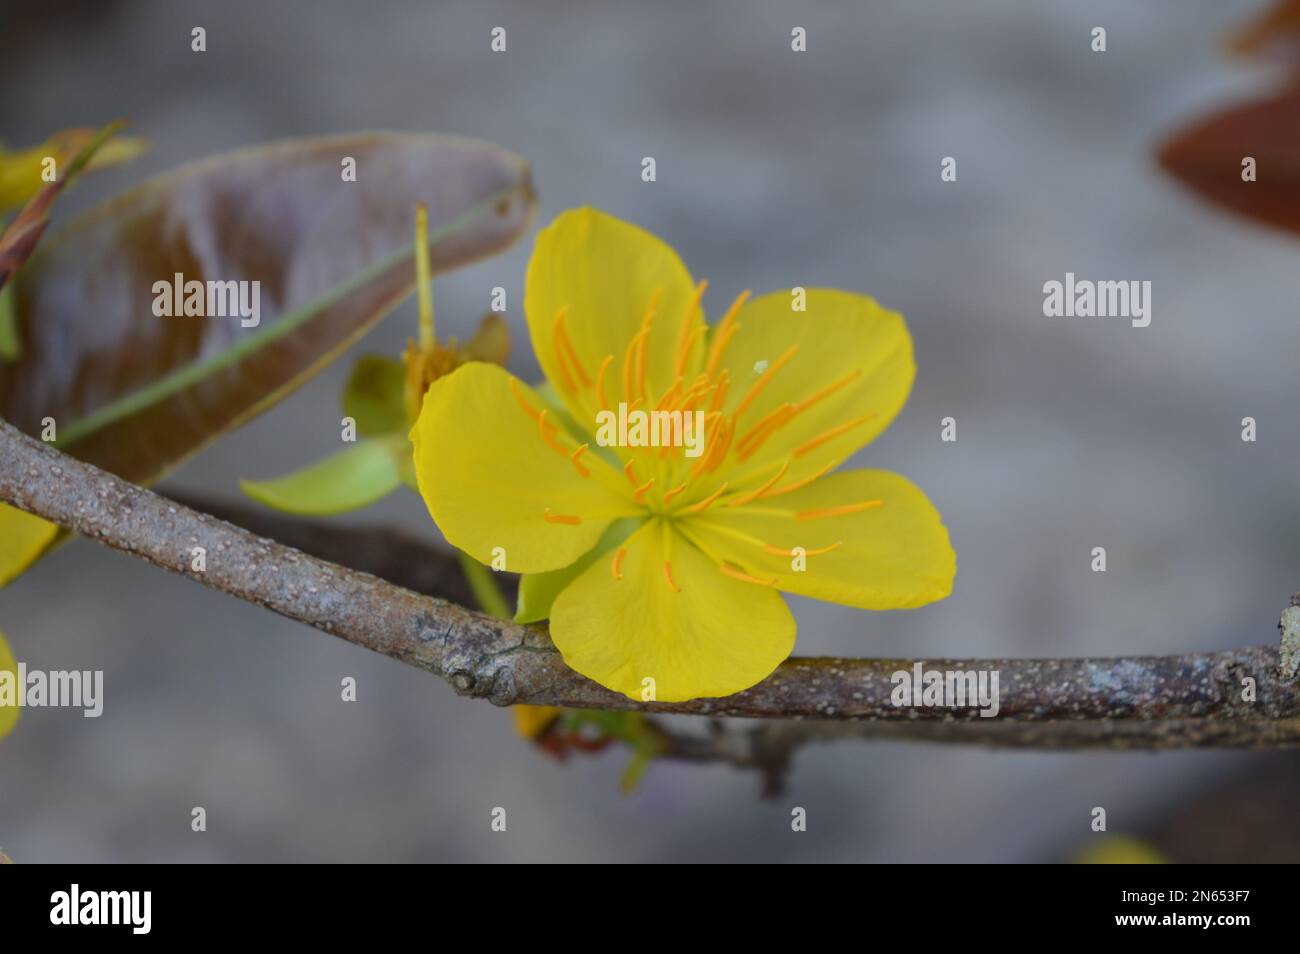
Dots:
(532, 721)
(490, 479)
(23, 538)
(8, 713)
(842, 368)
(700, 634)
(885, 544)
(605, 273)
(537, 591)
(22, 173)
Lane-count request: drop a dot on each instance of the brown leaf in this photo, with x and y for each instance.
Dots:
(136, 393)
(20, 237)
(1274, 35)
(1207, 157)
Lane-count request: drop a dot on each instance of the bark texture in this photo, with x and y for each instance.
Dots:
(1196, 699)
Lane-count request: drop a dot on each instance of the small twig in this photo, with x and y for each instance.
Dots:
(1142, 701)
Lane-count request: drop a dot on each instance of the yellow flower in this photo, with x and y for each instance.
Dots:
(8, 713)
(660, 571)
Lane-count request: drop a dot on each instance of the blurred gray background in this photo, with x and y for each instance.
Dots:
(774, 169)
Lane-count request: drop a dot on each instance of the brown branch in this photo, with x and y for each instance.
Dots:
(769, 747)
(389, 554)
(1142, 701)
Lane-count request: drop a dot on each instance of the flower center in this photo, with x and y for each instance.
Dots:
(672, 479)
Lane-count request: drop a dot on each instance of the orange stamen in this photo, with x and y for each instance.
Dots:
(616, 567)
(668, 575)
(691, 395)
(706, 502)
(648, 318)
(575, 458)
(523, 401)
(566, 379)
(740, 575)
(827, 391)
(804, 482)
(638, 346)
(722, 336)
(641, 362)
(833, 433)
(571, 519)
(728, 430)
(639, 494)
(564, 348)
(668, 396)
(629, 356)
(720, 395)
(774, 425)
(685, 338)
(838, 511)
(786, 413)
(716, 448)
(547, 431)
(668, 497)
(710, 442)
(755, 494)
(770, 372)
(627, 471)
(784, 551)
(767, 420)
(680, 365)
(600, 382)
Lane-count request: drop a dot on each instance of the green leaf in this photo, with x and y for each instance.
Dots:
(537, 591)
(373, 396)
(348, 480)
(490, 341)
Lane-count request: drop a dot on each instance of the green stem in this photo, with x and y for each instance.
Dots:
(486, 592)
(423, 284)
